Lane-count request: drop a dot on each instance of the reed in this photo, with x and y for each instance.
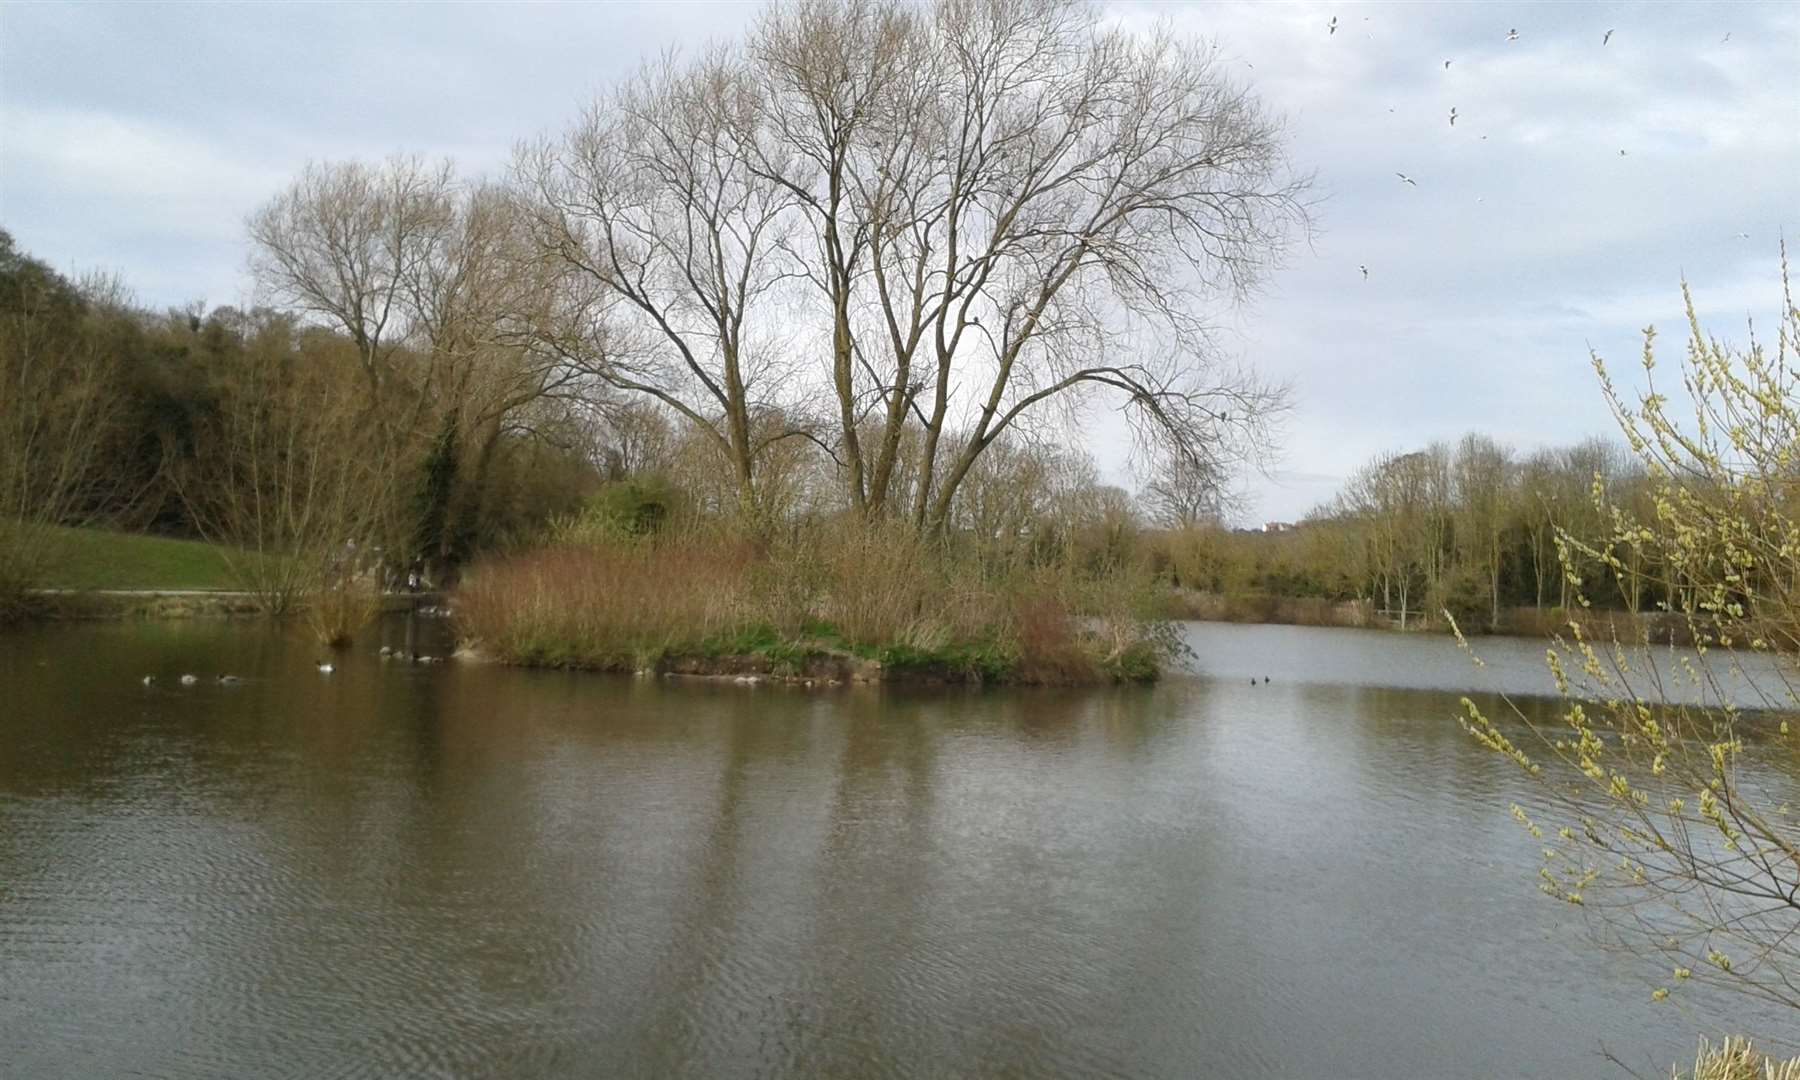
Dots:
(873, 593)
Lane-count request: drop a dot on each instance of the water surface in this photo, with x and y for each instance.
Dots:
(473, 871)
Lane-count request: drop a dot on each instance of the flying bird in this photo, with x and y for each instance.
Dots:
(1743, 236)
(1726, 38)
(1405, 179)
(1452, 116)
(1621, 153)
(1365, 271)
(1331, 28)
(1606, 37)
(1512, 35)
(1446, 65)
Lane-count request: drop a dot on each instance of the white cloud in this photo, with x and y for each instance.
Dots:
(138, 139)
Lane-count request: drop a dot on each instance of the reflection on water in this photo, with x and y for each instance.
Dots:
(476, 871)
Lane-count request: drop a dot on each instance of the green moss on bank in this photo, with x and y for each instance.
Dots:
(819, 654)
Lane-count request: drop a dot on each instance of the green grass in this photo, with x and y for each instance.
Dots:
(96, 559)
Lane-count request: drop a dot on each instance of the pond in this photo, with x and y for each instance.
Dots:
(463, 870)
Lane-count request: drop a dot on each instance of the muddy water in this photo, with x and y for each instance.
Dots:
(472, 871)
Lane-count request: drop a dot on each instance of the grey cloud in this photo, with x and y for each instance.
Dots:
(137, 138)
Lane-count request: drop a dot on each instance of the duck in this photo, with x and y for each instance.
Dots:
(229, 680)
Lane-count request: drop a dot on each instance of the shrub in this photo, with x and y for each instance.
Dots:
(838, 589)
(620, 509)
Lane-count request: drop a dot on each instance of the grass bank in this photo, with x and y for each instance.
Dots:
(96, 559)
(835, 604)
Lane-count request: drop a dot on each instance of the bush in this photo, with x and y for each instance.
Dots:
(620, 509)
(878, 593)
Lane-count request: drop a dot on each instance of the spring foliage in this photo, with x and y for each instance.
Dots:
(1663, 795)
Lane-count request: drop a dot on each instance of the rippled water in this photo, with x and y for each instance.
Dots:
(469, 871)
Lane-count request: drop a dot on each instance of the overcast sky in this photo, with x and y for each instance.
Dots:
(137, 137)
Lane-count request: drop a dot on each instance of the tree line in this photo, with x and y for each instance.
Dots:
(852, 262)
(1472, 527)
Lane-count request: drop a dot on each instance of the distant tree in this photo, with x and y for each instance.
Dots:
(59, 407)
(1187, 493)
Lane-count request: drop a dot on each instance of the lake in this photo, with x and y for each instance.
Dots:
(464, 870)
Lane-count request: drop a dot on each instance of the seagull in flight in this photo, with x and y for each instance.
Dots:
(1743, 236)
(1606, 37)
(1621, 152)
(1446, 65)
(1405, 179)
(1726, 38)
(1365, 271)
(1452, 116)
(1512, 35)
(1331, 27)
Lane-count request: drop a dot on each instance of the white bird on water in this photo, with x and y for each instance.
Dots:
(326, 667)
(149, 680)
(189, 680)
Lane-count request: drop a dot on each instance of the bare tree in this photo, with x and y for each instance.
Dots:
(1186, 494)
(289, 478)
(59, 404)
(1015, 211)
(664, 244)
(980, 215)
(432, 281)
(347, 245)
(1482, 473)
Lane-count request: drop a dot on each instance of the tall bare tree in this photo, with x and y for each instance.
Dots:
(431, 280)
(346, 244)
(665, 245)
(977, 215)
(1017, 211)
